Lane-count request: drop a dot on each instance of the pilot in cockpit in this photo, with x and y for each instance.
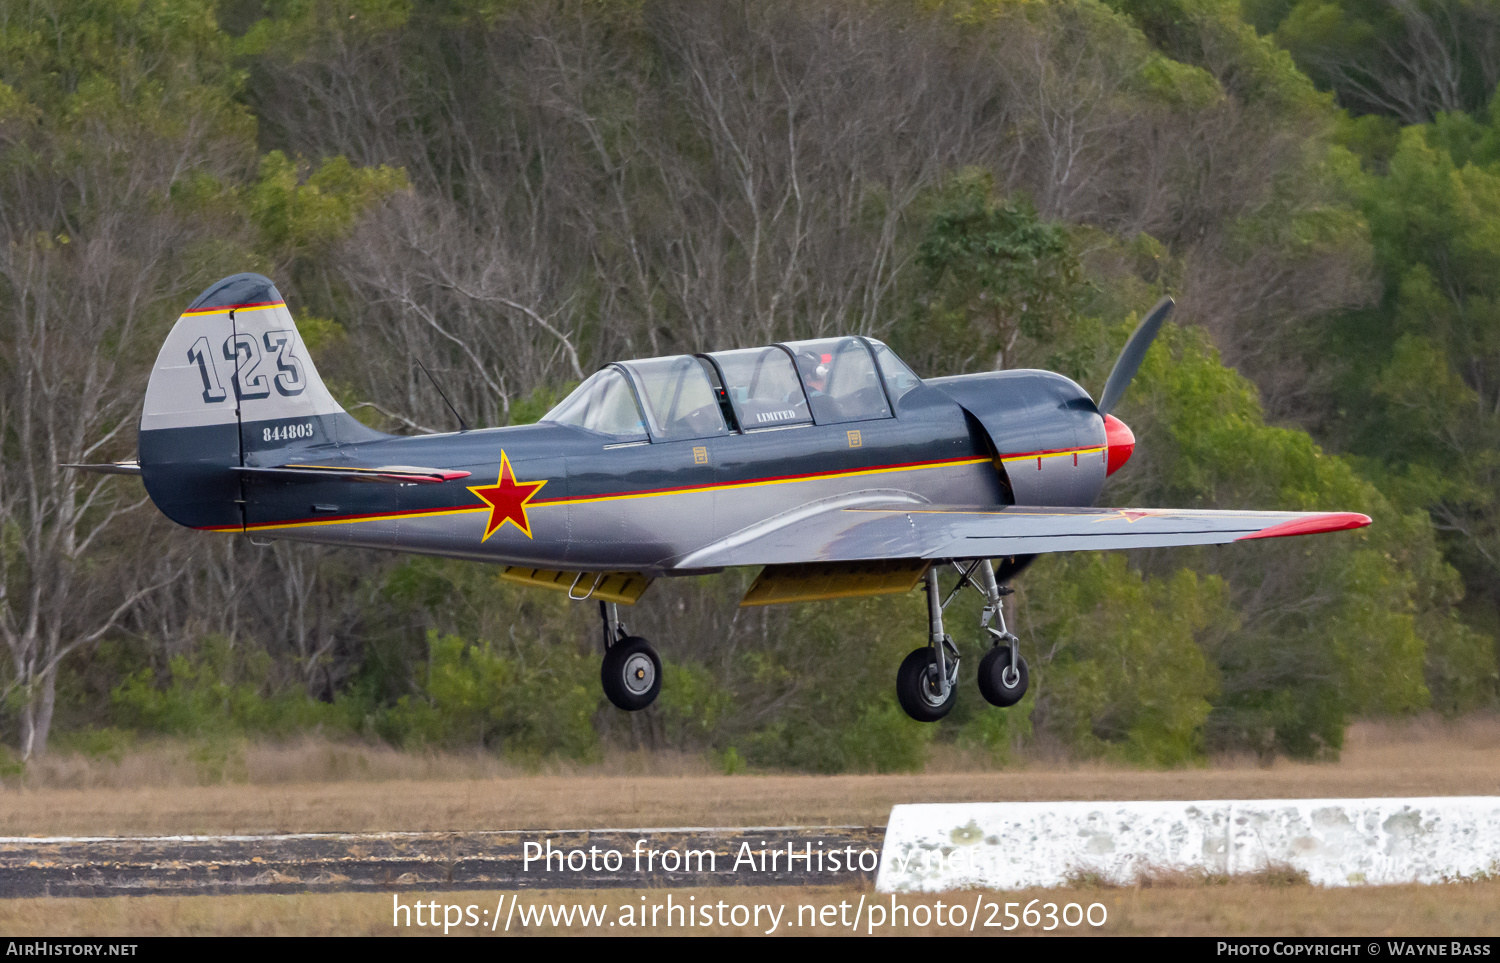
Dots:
(815, 368)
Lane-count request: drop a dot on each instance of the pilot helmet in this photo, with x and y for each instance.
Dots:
(816, 365)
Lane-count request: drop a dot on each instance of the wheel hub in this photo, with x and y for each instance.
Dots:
(932, 688)
(640, 673)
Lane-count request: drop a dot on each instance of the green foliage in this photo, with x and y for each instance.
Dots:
(731, 761)
(693, 703)
(525, 699)
(295, 26)
(221, 691)
(1404, 60)
(296, 211)
(999, 732)
(1212, 34)
(1182, 85)
(1126, 673)
(160, 61)
(994, 271)
(835, 661)
(321, 334)
(1273, 646)
(529, 410)
(1418, 402)
(1368, 602)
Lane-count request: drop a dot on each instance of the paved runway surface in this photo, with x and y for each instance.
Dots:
(331, 862)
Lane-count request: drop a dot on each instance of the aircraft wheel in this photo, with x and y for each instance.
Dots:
(993, 678)
(631, 674)
(917, 687)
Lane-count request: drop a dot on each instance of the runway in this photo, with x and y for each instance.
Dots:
(393, 862)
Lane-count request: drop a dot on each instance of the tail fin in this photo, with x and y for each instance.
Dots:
(233, 386)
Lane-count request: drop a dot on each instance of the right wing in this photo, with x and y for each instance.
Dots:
(866, 532)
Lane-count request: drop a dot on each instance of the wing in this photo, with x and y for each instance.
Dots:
(849, 533)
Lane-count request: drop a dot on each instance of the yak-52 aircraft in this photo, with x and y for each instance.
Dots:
(827, 462)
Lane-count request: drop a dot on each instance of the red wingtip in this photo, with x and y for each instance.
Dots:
(1327, 522)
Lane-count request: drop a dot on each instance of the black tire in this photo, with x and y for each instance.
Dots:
(992, 678)
(631, 674)
(916, 687)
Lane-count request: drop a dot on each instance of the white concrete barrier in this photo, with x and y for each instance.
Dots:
(1337, 842)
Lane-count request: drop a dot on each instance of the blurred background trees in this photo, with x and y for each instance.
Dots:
(514, 193)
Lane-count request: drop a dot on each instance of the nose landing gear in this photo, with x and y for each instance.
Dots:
(631, 670)
(1002, 672)
(927, 682)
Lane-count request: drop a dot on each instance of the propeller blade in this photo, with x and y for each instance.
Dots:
(1129, 361)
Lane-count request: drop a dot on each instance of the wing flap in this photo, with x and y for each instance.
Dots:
(870, 532)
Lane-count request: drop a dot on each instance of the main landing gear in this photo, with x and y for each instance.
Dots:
(631, 671)
(927, 682)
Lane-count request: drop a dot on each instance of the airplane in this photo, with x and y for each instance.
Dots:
(827, 463)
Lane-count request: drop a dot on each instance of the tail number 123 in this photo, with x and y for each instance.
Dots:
(249, 383)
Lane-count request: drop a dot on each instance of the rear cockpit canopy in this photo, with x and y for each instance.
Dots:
(824, 381)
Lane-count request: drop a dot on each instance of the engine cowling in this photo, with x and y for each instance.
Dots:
(1044, 428)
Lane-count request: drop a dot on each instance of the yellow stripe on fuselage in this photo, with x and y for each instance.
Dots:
(620, 496)
(1007, 459)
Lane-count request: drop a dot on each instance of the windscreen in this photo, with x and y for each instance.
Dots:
(604, 403)
(899, 379)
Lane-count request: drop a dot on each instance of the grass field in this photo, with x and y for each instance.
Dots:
(328, 787)
(1471, 909)
(313, 787)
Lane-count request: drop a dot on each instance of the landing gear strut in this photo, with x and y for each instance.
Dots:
(631, 671)
(927, 682)
(1002, 672)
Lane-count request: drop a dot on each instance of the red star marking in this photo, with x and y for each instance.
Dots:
(507, 499)
(1130, 515)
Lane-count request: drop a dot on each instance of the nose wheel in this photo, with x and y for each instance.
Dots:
(1002, 677)
(631, 670)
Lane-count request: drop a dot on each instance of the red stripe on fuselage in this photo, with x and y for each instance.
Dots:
(602, 496)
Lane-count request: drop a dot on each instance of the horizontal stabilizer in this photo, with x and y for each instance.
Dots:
(869, 532)
(131, 467)
(389, 474)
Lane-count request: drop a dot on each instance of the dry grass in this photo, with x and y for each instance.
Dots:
(1234, 909)
(315, 786)
(1168, 877)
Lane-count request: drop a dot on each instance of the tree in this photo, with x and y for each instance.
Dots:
(994, 272)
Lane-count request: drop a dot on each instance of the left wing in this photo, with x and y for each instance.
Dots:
(847, 533)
